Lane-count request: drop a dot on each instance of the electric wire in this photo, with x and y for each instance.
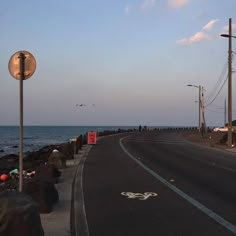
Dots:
(207, 109)
(221, 112)
(221, 87)
(218, 84)
(209, 103)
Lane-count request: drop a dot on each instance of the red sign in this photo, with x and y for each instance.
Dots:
(92, 138)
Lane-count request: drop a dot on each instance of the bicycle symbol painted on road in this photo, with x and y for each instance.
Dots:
(140, 196)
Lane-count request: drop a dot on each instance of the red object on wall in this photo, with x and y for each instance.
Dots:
(92, 138)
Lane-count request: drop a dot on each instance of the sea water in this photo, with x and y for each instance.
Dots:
(35, 137)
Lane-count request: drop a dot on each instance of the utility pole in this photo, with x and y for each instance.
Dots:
(229, 82)
(225, 113)
(204, 129)
(230, 86)
(199, 104)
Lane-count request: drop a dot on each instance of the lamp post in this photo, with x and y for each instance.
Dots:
(199, 104)
(229, 36)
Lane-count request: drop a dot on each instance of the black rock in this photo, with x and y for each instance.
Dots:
(43, 193)
(57, 159)
(48, 173)
(19, 215)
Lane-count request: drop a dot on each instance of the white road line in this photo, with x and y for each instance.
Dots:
(189, 199)
(181, 143)
(157, 141)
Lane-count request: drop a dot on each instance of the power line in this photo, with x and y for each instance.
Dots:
(218, 83)
(207, 109)
(221, 112)
(217, 92)
(219, 80)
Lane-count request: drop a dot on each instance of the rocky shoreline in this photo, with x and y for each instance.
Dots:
(35, 159)
(42, 170)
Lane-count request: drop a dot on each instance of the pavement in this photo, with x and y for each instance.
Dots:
(57, 223)
(149, 184)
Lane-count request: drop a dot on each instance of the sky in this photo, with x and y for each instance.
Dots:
(119, 62)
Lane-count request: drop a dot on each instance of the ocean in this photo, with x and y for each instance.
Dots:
(36, 137)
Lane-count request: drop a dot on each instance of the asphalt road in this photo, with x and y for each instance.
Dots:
(154, 183)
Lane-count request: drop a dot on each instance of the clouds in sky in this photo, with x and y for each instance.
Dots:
(149, 4)
(225, 29)
(178, 3)
(146, 4)
(209, 25)
(200, 36)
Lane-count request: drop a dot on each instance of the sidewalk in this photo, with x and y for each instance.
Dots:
(57, 223)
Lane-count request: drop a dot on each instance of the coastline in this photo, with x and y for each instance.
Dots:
(37, 137)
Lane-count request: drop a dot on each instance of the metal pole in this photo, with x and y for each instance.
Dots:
(203, 113)
(199, 115)
(230, 86)
(225, 114)
(22, 70)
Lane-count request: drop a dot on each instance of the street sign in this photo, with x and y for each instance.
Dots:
(21, 66)
(29, 65)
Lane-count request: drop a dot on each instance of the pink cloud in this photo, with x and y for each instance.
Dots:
(210, 24)
(199, 36)
(178, 3)
(183, 41)
(225, 29)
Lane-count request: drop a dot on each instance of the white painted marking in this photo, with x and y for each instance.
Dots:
(164, 142)
(140, 196)
(182, 194)
(183, 142)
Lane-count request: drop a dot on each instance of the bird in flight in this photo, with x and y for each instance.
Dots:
(83, 105)
(80, 105)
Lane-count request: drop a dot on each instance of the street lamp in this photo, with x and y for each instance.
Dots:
(227, 36)
(230, 36)
(199, 104)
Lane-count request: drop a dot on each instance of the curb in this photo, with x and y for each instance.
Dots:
(78, 221)
(58, 222)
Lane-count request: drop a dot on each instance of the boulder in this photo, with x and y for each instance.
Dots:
(19, 215)
(39, 157)
(67, 149)
(47, 173)
(8, 162)
(11, 184)
(57, 159)
(43, 193)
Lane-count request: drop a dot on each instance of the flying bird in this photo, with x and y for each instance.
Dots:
(80, 105)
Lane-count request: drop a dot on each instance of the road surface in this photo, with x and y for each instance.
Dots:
(156, 183)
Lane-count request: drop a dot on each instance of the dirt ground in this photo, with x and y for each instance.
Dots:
(212, 139)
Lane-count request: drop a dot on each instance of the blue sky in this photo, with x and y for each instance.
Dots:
(128, 61)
